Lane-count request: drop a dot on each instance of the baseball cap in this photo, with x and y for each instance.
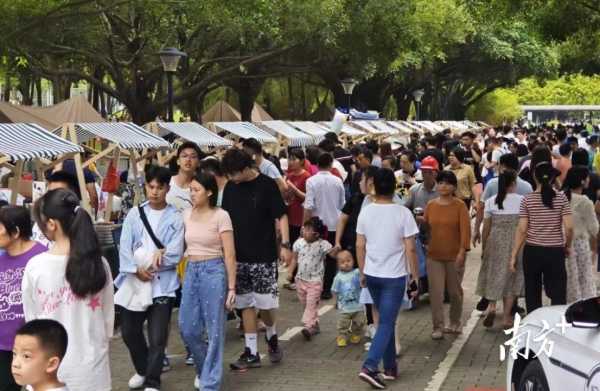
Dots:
(430, 163)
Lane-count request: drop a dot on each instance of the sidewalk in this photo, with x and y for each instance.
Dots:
(320, 365)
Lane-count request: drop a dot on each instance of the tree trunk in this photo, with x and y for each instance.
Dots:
(303, 99)
(291, 100)
(38, 87)
(247, 90)
(403, 101)
(7, 88)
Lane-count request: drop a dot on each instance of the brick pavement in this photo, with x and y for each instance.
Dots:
(320, 365)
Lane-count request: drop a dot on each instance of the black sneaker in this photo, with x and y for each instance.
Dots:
(390, 374)
(246, 361)
(306, 333)
(275, 352)
(372, 378)
(483, 304)
(516, 309)
(326, 295)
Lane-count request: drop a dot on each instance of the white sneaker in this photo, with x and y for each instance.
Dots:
(372, 330)
(151, 389)
(197, 383)
(136, 381)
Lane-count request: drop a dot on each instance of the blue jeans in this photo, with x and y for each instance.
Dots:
(387, 296)
(202, 318)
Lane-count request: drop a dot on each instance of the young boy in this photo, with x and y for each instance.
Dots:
(40, 346)
(309, 255)
(346, 287)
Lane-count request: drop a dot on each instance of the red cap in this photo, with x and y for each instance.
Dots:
(430, 163)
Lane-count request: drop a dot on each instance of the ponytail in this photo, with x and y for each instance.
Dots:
(545, 175)
(505, 180)
(85, 270)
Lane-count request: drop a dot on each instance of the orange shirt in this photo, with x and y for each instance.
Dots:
(449, 227)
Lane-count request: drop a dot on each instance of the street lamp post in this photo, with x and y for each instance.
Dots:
(418, 95)
(170, 59)
(348, 86)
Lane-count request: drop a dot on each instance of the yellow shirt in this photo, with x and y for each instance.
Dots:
(465, 178)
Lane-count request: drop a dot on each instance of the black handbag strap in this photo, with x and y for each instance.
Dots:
(157, 242)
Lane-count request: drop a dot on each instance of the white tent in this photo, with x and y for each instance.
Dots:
(346, 129)
(194, 132)
(312, 128)
(125, 135)
(245, 130)
(290, 135)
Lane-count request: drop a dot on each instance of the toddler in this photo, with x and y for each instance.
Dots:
(309, 256)
(40, 346)
(346, 287)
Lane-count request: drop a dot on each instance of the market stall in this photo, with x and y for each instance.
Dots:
(286, 134)
(312, 128)
(186, 131)
(21, 142)
(122, 138)
(237, 131)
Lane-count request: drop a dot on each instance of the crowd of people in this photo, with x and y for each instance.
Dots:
(375, 226)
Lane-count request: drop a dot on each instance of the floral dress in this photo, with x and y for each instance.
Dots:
(579, 265)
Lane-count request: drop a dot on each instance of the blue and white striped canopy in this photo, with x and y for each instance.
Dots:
(21, 141)
(245, 130)
(312, 128)
(194, 132)
(126, 135)
(295, 138)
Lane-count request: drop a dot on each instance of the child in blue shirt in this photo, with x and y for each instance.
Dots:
(346, 287)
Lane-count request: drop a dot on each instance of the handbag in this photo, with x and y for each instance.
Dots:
(144, 218)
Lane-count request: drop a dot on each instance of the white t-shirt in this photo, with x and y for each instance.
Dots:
(179, 197)
(384, 227)
(89, 321)
(267, 168)
(510, 205)
(311, 259)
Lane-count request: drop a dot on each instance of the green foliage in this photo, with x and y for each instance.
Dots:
(498, 107)
(574, 89)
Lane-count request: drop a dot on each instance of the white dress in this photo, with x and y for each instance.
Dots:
(88, 321)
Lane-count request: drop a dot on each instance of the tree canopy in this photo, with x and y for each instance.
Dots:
(456, 50)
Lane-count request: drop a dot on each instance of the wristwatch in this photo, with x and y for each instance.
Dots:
(286, 245)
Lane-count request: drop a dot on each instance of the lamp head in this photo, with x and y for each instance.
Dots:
(348, 85)
(418, 95)
(170, 58)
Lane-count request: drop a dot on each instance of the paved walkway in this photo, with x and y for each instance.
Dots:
(320, 365)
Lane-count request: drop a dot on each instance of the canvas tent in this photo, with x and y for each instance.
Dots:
(76, 109)
(22, 141)
(317, 131)
(286, 134)
(124, 137)
(224, 112)
(186, 131)
(243, 130)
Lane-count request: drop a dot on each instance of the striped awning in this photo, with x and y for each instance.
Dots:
(431, 126)
(295, 137)
(368, 127)
(314, 129)
(194, 132)
(245, 130)
(126, 135)
(384, 127)
(346, 129)
(402, 128)
(21, 141)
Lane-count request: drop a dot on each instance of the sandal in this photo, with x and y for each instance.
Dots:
(488, 321)
(457, 329)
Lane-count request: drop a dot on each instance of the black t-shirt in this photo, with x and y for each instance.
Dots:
(436, 153)
(253, 207)
(470, 160)
(351, 208)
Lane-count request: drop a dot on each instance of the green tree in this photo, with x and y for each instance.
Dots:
(496, 108)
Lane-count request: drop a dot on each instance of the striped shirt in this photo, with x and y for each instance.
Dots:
(544, 226)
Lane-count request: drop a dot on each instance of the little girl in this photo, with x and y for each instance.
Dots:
(309, 256)
(72, 284)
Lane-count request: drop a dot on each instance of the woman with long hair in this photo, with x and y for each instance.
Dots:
(495, 281)
(15, 240)
(580, 263)
(72, 283)
(546, 231)
(209, 285)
